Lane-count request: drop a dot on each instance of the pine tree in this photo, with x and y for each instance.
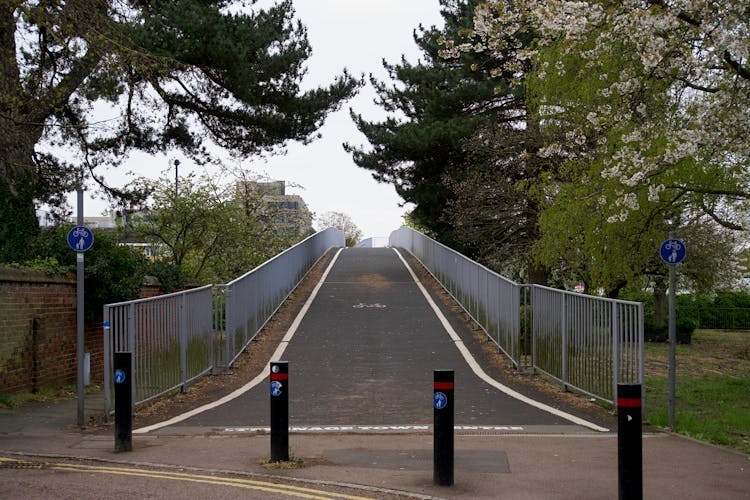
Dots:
(175, 75)
(435, 106)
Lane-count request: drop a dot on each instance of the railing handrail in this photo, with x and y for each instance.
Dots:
(215, 323)
(277, 256)
(577, 294)
(159, 297)
(459, 254)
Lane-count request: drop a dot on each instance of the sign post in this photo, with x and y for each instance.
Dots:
(80, 239)
(672, 252)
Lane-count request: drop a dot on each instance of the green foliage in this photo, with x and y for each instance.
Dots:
(169, 276)
(727, 310)
(181, 75)
(713, 387)
(210, 233)
(444, 103)
(112, 272)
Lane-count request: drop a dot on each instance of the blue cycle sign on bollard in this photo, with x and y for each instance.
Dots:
(119, 376)
(672, 251)
(440, 400)
(80, 238)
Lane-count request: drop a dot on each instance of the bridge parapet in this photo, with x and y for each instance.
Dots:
(589, 344)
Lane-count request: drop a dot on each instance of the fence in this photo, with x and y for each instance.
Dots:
(587, 343)
(717, 318)
(253, 298)
(178, 337)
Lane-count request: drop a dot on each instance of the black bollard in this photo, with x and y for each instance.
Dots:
(629, 442)
(123, 401)
(443, 423)
(279, 411)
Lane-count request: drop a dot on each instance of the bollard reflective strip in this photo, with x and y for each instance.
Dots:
(279, 376)
(444, 386)
(629, 402)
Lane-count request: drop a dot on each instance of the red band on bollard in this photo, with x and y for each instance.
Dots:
(279, 376)
(629, 402)
(444, 386)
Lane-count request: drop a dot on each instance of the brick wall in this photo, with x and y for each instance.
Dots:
(38, 332)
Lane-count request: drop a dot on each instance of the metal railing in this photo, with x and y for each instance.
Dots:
(170, 336)
(253, 298)
(178, 337)
(717, 318)
(589, 344)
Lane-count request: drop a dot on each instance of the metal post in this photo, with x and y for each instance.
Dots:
(615, 349)
(672, 345)
(80, 338)
(182, 333)
(107, 359)
(629, 442)
(279, 411)
(123, 401)
(443, 427)
(564, 334)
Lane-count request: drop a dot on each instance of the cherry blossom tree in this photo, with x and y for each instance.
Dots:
(644, 104)
(653, 92)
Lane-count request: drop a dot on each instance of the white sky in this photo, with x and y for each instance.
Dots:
(352, 34)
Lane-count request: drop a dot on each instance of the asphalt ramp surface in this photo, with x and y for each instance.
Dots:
(364, 354)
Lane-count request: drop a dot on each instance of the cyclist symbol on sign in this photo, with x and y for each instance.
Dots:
(82, 234)
(672, 251)
(276, 388)
(674, 247)
(440, 400)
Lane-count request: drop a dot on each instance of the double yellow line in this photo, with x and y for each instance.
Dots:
(249, 484)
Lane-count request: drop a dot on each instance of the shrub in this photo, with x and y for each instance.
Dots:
(112, 272)
(685, 329)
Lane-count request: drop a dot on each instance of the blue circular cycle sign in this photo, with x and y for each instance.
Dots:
(440, 400)
(119, 376)
(672, 251)
(276, 388)
(80, 238)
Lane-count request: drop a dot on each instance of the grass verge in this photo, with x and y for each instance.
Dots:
(10, 401)
(712, 388)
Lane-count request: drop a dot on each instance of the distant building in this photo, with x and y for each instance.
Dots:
(105, 222)
(288, 213)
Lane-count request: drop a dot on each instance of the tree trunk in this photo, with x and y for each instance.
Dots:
(18, 220)
(661, 305)
(537, 275)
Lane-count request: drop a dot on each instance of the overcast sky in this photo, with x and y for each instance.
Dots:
(352, 34)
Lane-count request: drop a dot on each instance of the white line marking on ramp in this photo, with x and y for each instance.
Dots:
(276, 356)
(479, 372)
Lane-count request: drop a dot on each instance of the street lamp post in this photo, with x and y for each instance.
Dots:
(176, 179)
(177, 216)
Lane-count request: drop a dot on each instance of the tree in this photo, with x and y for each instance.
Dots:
(495, 208)
(113, 273)
(101, 78)
(622, 91)
(209, 233)
(434, 105)
(352, 233)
